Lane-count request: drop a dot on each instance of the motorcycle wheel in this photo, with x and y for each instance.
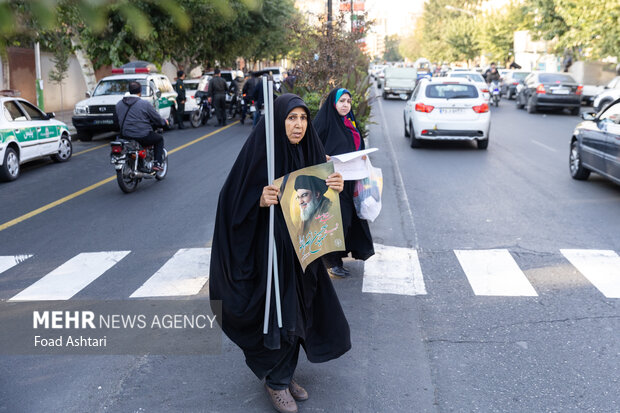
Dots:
(162, 174)
(195, 118)
(127, 184)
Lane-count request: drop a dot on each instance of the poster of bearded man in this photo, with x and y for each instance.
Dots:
(312, 212)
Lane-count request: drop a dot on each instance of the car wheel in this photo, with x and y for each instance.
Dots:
(10, 168)
(575, 111)
(509, 94)
(482, 143)
(65, 150)
(407, 132)
(384, 95)
(531, 108)
(84, 135)
(171, 117)
(413, 141)
(577, 170)
(519, 104)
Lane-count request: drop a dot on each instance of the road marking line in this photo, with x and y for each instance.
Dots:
(544, 146)
(404, 276)
(183, 274)
(10, 261)
(91, 149)
(96, 185)
(600, 267)
(71, 277)
(495, 273)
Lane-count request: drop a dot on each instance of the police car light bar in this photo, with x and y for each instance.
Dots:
(131, 70)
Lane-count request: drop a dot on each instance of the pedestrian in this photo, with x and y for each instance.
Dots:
(335, 125)
(217, 90)
(247, 90)
(311, 313)
(179, 87)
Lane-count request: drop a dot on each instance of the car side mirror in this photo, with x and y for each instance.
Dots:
(50, 115)
(88, 94)
(588, 116)
(158, 94)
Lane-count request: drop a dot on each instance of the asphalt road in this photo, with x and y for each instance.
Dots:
(446, 348)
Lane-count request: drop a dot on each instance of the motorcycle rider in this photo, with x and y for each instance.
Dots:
(217, 96)
(233, 90)
(492, 74)
(136, 118)
(248, 90)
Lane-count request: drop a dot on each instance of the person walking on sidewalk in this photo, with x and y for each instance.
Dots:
(335, 125)
(217, 96)
(179, 87)
(311, 313)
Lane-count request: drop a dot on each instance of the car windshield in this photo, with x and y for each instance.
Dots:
(117, 87)
(451, 91)
(473, 76)
(555, 78)
(191, 84)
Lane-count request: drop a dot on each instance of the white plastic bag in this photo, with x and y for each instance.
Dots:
(367, 194)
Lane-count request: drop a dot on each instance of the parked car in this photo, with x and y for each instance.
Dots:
(610, 93)
(476, 78)
(399, 81)
(26, 134)
(445, 108)
(550, 90)
(595, 144)
(510, 81)
(191, 87)
(381, 77)
(96, 113)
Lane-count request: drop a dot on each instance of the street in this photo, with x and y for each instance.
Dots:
(431, 329)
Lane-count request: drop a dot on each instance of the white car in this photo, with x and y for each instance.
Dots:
(476, 78)
(26, 134)
(611, 93)
(191, 87)
(443, 108)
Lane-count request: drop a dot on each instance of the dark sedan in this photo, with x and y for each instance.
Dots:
(508, 85)
(550, 90)
(595, 145)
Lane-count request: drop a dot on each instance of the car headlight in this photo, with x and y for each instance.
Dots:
(80, 110)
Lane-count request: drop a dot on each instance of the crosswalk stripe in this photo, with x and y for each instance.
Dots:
(9, 261)
(494, 273)
(71, 277)
(404, 274)
(183, 274)
(600, 267)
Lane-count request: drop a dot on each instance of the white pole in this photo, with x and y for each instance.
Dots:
(269, 98)
(271, 237)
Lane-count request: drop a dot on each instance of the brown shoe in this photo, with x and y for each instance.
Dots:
(299, 393)
(282, 400)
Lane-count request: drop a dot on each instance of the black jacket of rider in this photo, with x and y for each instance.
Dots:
(492, 76)
(141, 117)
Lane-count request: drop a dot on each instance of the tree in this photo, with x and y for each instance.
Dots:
(462, 38)
(411, 46)
(499, 25)
(392, 44)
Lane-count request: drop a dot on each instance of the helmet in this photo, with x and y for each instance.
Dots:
(239, 74)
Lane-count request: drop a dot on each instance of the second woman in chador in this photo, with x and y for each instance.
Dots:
(311, 313)
(335, 125)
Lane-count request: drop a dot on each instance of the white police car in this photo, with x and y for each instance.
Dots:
(26, 134)
(96, 114)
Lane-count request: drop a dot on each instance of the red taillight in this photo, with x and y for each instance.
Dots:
(142, 154)
(193, 97)
(515, 83)
(481, 108)
(117, 149)
(421, 107)
(485, 90)
(541, 90)
(579, 90)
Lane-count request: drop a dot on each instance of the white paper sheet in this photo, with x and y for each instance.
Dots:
(351, 165)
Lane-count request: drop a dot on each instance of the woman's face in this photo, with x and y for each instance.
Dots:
(296, 124)
(343, 106)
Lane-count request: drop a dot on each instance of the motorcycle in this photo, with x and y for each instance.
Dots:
(236, 105)
(134, 163)
(495, 92)
(201, 115)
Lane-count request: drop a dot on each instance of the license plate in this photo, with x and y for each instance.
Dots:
(560, 91)
(103, 122)
(450, 110)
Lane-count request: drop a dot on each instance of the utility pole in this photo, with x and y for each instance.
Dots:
(39, 81)
(351, 16)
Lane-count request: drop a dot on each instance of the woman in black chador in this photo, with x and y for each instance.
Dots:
(311, 313)
(335, 125)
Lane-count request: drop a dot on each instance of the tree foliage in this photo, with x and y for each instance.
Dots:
(392, 53)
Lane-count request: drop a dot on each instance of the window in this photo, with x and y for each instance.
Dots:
(555, 78)
(451, 91)
(33, 112)
(13, 112)
(164, 85)
(117, 87)
(612, 114)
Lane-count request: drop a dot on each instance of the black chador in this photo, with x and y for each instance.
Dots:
(311, 313)
(338, 138)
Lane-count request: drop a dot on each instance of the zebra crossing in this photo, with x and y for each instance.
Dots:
(492, 272)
